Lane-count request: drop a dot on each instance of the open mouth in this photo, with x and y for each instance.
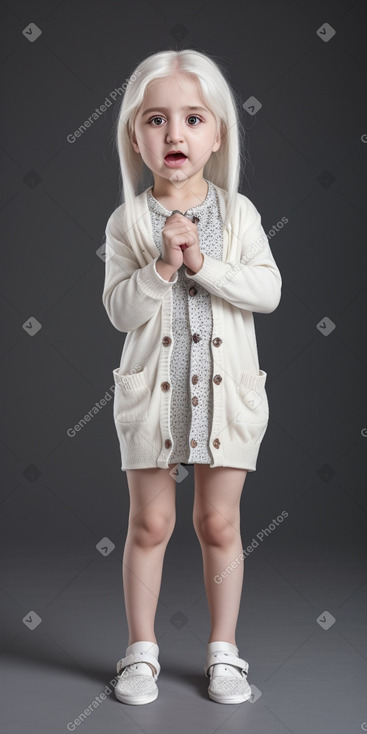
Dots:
(175, 157)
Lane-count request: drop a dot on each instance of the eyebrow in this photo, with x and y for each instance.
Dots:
(164, 109)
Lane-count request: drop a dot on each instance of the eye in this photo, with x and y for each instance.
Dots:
(156, 118)
(194, 117)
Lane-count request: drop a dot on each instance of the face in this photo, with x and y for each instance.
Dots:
(174, 116)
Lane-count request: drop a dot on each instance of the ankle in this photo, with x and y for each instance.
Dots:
(138, 639)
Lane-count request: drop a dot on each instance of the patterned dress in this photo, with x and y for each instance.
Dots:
(191, 369)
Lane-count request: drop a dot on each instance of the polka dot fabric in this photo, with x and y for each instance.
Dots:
(191, 367)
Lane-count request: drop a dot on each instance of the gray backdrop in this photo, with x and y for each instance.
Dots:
(64, 498)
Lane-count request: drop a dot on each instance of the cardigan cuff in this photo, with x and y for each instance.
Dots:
(210, 272)
(151, 282)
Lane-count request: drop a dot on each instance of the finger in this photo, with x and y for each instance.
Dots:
(178, 240)
(176, 220)
(176, 216)
(180, 218)
(175, 229)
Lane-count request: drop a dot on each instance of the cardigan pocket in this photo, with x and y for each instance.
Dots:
(253, 401)
(132, 396)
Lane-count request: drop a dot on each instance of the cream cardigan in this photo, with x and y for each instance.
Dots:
(138, 301)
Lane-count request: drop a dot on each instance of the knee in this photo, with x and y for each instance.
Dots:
(214, 529)
(152, 529)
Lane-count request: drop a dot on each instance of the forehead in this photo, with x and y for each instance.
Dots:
(174, 88)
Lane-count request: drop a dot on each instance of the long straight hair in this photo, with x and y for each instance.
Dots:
(223, 167)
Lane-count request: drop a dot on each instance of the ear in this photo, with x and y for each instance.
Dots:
(133, 140)
(218, 138)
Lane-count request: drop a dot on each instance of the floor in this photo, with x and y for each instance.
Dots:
(302, 629)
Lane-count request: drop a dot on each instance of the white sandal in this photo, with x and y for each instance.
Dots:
(227, 673)
(136, 679)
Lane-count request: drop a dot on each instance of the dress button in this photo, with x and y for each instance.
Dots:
(196, 338)
(217, 342)
(217, 379)
(194, 379)
(165, 386)
(194, 400)
(193, 291)
(167, 443)
(166, 341)
(193, 443)
(216, 443)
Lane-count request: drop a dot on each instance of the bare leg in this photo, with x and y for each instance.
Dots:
(152, 519)
(216, 518)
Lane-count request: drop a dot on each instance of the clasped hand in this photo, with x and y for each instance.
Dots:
(181, 243)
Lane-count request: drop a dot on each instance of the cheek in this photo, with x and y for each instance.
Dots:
(141, 131)
(150, 137)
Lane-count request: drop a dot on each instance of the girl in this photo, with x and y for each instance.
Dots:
(187, 264)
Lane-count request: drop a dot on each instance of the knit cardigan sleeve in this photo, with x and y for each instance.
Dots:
(132, 294)
(253, 282)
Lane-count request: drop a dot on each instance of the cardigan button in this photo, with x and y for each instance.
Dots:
(217, 342)
(194, 379)
(194, 400)
(193, 291)
(193, 443)
(166, 341)
(165, 386)
(216, 443)
(167, 443)
(196, 338)
(217, 379)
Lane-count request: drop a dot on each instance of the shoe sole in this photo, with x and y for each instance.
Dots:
(137, 700)
(229, 699)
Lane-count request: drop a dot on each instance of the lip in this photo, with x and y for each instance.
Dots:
(170, 152)
(175, 163)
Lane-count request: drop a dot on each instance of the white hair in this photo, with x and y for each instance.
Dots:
(224, 166)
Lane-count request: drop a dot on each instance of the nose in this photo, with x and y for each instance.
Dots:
(174, 131)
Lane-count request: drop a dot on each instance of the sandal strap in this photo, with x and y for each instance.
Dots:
(226, 658)
(145, 657)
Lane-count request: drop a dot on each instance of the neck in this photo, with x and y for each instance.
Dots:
(185, 198)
